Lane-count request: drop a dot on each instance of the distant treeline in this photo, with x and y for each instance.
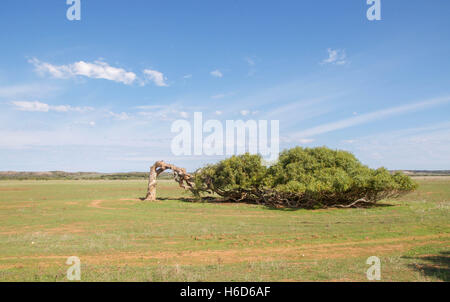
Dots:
(427, 172)
(60, 175)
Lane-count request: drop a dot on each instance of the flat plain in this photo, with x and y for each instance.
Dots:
(118, 237)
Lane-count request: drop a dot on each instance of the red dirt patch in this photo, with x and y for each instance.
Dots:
(13, 189)
(67, 228)
(97, 204)
(16, 206)
(129, 199)
(314, 252)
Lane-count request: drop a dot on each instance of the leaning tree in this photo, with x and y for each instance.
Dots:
(184, 179)
(301, 178)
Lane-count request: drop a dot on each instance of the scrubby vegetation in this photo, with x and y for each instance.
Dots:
(60, 175)
(302, 178)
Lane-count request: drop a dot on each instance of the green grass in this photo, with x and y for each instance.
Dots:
(120, 238)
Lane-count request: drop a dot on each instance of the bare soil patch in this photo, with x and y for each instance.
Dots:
(349, 249)
(13, 189)
(97, 204)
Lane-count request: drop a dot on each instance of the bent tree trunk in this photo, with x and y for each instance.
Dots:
(179, 174)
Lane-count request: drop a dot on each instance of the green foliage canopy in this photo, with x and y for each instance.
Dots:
(302, 177)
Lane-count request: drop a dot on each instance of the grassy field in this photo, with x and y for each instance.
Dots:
(120, 238)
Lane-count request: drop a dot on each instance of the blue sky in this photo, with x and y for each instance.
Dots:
(101, 94)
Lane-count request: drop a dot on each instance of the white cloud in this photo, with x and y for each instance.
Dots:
(26, 91)
(156, 76)
(96, 70)
(335, 56)
(218, 112)
(216, 73)
(162, 112)
(31, 106)
(42, 107)
(188, 76)
(123, 116)
(81, 136)
(415, 148)
(369, 117)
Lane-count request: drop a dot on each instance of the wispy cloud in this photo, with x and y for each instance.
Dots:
(162, 112)
(156, 77)
(26, 91)
(424, 147)
(123, 116)
(96, 70)
(336, 57)
(300, 110)
(369, 117)
(36, 106)
(223, 95)
(216, 73)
